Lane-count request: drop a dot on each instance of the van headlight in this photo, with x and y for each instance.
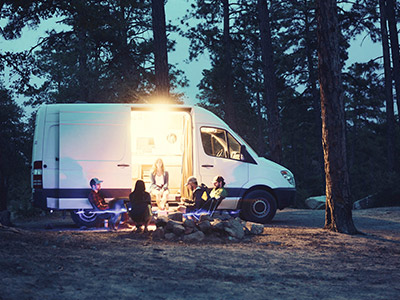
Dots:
(288, 176)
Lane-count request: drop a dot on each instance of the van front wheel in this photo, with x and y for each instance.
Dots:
(84, 217)
(258, 206)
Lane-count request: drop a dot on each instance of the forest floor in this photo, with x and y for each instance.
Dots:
(294, 258)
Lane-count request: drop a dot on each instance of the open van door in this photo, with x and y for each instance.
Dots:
(94, 142)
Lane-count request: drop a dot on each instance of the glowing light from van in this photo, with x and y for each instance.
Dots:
(100, 212)
(160, 100)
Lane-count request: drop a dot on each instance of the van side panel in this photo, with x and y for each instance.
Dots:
(81, 142)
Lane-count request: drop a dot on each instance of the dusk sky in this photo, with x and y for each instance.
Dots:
(360, 51)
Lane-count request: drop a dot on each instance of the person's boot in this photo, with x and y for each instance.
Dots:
(111, 226)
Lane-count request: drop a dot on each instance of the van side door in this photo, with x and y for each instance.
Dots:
(220, 154)
(95, 142)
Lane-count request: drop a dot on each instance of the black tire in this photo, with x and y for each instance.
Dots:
(258, 206)
(83, 217)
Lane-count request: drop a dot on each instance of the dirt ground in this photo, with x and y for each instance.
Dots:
(293, 259)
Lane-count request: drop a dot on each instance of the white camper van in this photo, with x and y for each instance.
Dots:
(119, 143)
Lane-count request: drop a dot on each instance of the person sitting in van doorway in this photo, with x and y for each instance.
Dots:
(159, 184)
(199, 195)
(98, 201)
(140, 202)
(218, 192)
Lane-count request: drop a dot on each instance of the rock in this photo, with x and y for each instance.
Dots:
(205, 226)
(367, 202)
(205, 218)
(171, 224)
(247, 231)
(161, 221)
(234, 228)
(217, 225)
(176, 216)
(194, 237)
(170, 236)
(5, 218)
(178, 229)
(189, 230)
(158, 234)
(317, 202)
(256, 229)
(189, 223)
(224, 216)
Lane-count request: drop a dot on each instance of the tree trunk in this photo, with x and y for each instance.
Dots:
(227, 63)
(388, 87)
(160, 50)
(338, 216)
(3, 192)
(83, 75)
(270, 95)
(394, 46)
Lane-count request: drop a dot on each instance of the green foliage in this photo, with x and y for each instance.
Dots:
(15, 155)
(293, 29)
(101, 52)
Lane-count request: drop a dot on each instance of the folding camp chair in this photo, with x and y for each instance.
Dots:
(208, 208)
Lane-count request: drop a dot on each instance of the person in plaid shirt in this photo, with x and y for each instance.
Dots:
(95, 197)
(97, 200)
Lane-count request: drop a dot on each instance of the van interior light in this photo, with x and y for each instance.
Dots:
(208, 130)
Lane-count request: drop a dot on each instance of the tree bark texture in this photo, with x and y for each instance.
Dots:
(394, 46)
(388, 87)
(3, 191)
(338, 215)
(83, 67)
(270, 94)
(227, 63)
(160, 50)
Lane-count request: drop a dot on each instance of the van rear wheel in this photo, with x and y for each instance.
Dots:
(84, 217)
(258, 206)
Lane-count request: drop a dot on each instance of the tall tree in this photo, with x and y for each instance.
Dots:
(13, 150)
(388, 86)
(270, 95)
(338, 216)
(160, 49)
(394, 47)
(227, 63)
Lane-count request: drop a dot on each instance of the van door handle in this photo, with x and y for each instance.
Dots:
(207, 166)
(123, 165)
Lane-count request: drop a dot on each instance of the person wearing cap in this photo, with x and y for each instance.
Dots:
(95, 196)
(218, 192)
(98, 201)
(199, 195)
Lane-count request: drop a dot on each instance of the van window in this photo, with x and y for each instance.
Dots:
(220, 143)
(234, 147)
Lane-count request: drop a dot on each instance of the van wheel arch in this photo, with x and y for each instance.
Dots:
(84, 217)
(258, 205)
